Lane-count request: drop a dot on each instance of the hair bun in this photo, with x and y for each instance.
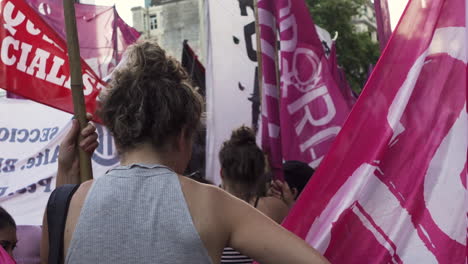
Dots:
(243, 136)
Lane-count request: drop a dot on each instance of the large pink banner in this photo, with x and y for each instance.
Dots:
(302, 119)
(392, 189)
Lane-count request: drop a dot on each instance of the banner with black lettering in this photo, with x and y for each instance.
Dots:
(30, 134)
(232, 92)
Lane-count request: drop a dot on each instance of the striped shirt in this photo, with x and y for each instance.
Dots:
(233, 257)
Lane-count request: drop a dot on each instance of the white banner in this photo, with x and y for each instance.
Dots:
(30, 134)
(232, 98)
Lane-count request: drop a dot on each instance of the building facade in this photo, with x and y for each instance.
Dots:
(170, 22)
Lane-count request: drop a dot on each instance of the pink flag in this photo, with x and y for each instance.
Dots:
(103, 35)
(340, 78)
(392, 189)
(5, 258)
(382, 15)
(312, 109)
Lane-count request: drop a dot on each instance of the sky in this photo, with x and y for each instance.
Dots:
(396, 9)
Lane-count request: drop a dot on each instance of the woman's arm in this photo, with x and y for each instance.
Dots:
(260, 238)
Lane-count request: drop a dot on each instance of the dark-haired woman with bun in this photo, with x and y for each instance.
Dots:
(144, 211)
(242, 172)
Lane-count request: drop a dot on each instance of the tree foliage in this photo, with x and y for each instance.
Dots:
(355, 50)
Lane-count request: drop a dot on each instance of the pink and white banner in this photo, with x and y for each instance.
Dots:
(302, 119)
(392, 189)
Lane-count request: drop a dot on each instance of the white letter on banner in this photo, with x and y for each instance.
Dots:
(317, 139)
(10, 22)
(305, 100)
(314, 72)
(331, 111)
(25, 50)
(376, 200)
(39, 62)
(289, 23)
(444, 192)
(52, 76)
(88, 82)
(32, 29)
(7, 42)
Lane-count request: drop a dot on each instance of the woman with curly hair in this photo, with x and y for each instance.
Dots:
(144, 211)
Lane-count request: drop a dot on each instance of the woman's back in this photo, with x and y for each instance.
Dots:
(136, 214)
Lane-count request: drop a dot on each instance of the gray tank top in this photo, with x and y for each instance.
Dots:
(136, 214)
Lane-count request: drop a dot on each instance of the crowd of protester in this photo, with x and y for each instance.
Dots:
(144, 210)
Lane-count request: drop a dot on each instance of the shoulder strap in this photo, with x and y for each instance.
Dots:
(256, 201)
(57, 211)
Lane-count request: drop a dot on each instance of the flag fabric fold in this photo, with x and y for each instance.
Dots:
(392, 188)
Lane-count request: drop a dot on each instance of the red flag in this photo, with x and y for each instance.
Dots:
(392, 189)
(34, 61)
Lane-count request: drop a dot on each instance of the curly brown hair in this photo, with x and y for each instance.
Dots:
(243, 162)
(150, 98)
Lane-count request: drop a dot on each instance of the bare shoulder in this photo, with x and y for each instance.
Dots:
(205, 205)
(78, 199)
(81, 193)
(204, 193)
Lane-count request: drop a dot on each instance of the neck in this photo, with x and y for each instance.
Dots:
(146, 153)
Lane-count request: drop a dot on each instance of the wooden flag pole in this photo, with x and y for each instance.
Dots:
(259, 52)
(76, 82)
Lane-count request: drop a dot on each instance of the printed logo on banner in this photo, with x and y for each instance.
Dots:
(106, 153)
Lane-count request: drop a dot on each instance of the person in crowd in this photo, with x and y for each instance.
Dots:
(145, 211)
(8, 239)
(242, 173)
(296, 176)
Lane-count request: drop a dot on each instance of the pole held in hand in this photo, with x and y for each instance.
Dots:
(76, 83)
